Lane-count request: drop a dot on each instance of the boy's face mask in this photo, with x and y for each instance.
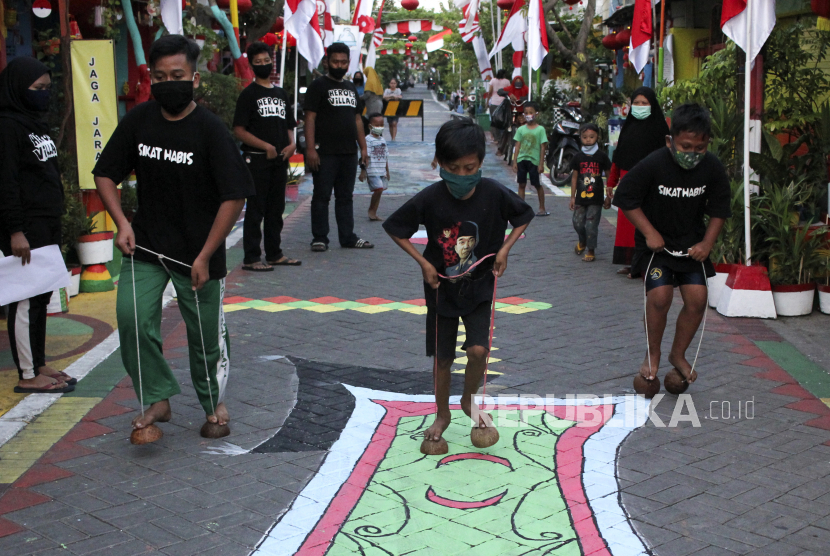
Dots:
(686, 160)
(378, 131)
(460, 186)
(529, 118)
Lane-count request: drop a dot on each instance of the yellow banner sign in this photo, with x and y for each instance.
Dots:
(96, 102)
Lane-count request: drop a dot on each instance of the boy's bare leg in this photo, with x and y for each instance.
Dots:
(374, 204)
(522, 191)
(476, 362)
(442, 401)
(688, 321)
(540, 191)
(658, 304)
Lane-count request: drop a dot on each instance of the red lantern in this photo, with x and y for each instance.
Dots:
(610, 42)
(408, 45)
(243, 6)
(409, 4)
(821, 8)
(627, 65)
(270, 39)
(412, 38)
(623, 38)
(278, 25)
(505, 4)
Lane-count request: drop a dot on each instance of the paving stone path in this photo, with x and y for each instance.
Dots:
(329, 390)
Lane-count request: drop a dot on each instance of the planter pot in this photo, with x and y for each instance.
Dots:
(58, 303)
(95, 248)
(292, 192)
(74, 281)
(717, 282)
(794, 300)
(824, 299)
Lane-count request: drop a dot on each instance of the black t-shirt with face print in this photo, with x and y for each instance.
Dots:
(590, 188)
(336, 104)
(264, 113)
(460, 233)
(185, 170)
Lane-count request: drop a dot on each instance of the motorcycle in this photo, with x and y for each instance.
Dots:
(564, 134)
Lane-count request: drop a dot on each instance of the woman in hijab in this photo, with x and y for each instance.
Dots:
(643, 132)
(359, 82)
(31, 206)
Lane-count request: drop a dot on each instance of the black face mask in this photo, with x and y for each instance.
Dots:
(173, 96)
(338, 73)
(358, 82)
(263, 71)
(37, 100)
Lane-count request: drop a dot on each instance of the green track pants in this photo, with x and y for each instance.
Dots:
(156, 378)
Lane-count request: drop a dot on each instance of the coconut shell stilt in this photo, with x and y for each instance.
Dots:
(675, 383)
(484, 437)
(647, 388)
(146, 435)
(214, 430)
(434, 447)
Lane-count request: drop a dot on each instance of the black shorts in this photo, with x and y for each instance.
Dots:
(476, 325)
(392, 119)
(662, 275)
(524, 168)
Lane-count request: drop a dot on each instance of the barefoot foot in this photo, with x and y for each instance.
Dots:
(434, 432)
(649, 371)
(157, 412)
(221, 416)
(683, 367)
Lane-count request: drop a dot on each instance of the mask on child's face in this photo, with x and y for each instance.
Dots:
(686, 160)
(590, 151)
(377, 131)
(529, 118)
(460, 186)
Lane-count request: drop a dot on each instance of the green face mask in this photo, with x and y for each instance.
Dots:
(460, 186)
(641, 112)
(687, 161)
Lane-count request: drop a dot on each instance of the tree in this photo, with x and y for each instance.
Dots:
(577, 50)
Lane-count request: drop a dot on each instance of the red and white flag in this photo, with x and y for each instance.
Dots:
(513, 31)
(302, 23)
(733, 22)
(537, 34)
(468, 36)
(436, 41)
(377, 39)
(642, 29)
(411, 26)
(480, 48)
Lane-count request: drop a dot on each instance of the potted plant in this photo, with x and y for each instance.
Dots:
(793, 250)
(95, 248)
(824, 288)
(728, 249)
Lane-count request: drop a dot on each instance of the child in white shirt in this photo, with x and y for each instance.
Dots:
(377, 172)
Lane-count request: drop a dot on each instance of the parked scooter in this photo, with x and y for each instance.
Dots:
(563, 136)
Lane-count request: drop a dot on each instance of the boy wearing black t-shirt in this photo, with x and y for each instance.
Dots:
(334, 102)
(265, 124)
(587, 192)
(666, 197)
(192, 184)
(466, 217)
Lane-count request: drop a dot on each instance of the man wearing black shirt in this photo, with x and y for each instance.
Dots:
(666, 197)
(192, 185)
(332, 164)
(265, 124)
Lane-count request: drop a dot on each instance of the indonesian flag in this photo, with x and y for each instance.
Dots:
(483, 60)
(411, 26)
(377, 39)
(472, 8)
(733, 22)
(518, 56)
(171, 16)
(328, 26)
(642, 30)
(302, 23)
(437, 41)
(513, 31)
(468, 36)
(537, 35)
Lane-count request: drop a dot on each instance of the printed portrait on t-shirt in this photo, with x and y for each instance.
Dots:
(465, 242)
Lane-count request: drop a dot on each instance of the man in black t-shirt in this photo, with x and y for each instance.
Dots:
(192, 184)
(265, 124)
(466, 218)
(334, 102)
(666, 197)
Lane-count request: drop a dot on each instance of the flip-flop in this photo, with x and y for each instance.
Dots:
(286, 262)
(319, 247)
(579, 249)
(624, 270)
(24, 390)
(361, 244)
(71, 381)
(589, 258)
(252, 268)
(546, 213)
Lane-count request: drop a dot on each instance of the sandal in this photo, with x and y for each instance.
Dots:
(60, 375)
(546, 213)
(589, 258)
(285, 261)
(579, 249)
(54, 390)
(362, 244)
(252, 268)
(625, 270)
(319, 247)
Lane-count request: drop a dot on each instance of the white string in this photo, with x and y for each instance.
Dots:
(198, 317)
(137, 343)
(645, 310)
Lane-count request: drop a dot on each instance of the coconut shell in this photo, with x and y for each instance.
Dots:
(484, 437)
(214, 430)
(434, 447)
(675, 383)
(146, 435)
(647, 388)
